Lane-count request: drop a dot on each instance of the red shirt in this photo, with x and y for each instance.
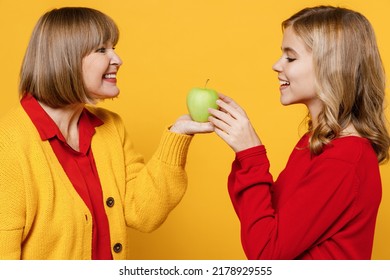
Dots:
(79, 166)
(320, 207)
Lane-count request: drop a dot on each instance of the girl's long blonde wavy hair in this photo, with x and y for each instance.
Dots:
(349, 73)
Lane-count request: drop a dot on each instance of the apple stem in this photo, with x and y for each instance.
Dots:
(206, 82)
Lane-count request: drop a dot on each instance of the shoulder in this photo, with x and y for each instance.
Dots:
(109, 118)
(15, 126)
(104, 114)
(352, 154)
(351, 149)
(112, 122)
(13, 115)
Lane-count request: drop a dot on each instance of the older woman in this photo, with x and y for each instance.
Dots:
(70, 179)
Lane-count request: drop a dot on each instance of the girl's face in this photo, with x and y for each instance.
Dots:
(296, 73)
(99, 72)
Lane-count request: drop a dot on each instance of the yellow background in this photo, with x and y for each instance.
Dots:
(170, 46)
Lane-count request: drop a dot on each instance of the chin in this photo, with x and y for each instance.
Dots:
(284, 102)
(101, 97)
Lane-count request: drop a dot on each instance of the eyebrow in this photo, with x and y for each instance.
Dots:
(288, 49)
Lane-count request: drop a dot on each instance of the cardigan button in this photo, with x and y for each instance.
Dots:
(110, 201)
(117, 247)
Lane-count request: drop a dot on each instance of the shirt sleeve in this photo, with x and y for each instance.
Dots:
(323, 198)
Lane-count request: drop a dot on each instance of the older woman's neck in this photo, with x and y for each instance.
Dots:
(66, 119)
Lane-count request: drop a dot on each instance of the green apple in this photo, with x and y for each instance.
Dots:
(199, 100)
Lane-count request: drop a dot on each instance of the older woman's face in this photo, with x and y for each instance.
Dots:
(99, 72)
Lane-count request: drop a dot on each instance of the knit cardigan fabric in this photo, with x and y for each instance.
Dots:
(43, 217)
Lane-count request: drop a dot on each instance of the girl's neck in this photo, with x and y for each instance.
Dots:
(350, 130)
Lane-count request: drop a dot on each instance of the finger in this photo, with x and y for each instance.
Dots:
(201, 127)
(225, 98)
(229, 109)
(228, 100)
(185, 125)
(184, 118)
(232, 103)
(222, 134)
(223, 110)
(223, 116)
(221, 125)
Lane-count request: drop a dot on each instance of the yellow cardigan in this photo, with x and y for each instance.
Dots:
(43, 217)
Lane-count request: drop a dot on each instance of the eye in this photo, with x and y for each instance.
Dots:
(289, 59)
(101, 50)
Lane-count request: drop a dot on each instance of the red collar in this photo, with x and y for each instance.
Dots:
(48, 129)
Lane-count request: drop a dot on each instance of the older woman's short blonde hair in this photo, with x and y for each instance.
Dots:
(52, 66)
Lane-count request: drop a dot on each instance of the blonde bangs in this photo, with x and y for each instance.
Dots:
(99, 30)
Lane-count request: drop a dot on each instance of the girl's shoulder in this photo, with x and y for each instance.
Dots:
(350, 148)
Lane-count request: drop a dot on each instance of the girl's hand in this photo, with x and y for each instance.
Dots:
(232, 125)
(185, 125)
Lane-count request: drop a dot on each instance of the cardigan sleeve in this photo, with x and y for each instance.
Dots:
(153, 189)
(145, 191)
(12, 205)
(324, 197)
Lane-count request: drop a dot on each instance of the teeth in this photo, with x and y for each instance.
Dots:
(110, 76)
(284, 83)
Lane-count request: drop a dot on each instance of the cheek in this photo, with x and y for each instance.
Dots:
(311, 80)
(87, 79)
(92, 74)
(303, 76)
(92, 82)
(94, 68)
(86, 70)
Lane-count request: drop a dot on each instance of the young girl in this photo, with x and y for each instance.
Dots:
(324, 203)
(70, 179)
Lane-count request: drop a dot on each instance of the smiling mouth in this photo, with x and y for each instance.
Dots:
(109, 76)
(283, 84)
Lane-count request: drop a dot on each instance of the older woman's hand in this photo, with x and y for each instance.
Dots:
(185, 125)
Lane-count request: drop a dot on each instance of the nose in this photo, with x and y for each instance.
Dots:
(115, 59)
(277, 67)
